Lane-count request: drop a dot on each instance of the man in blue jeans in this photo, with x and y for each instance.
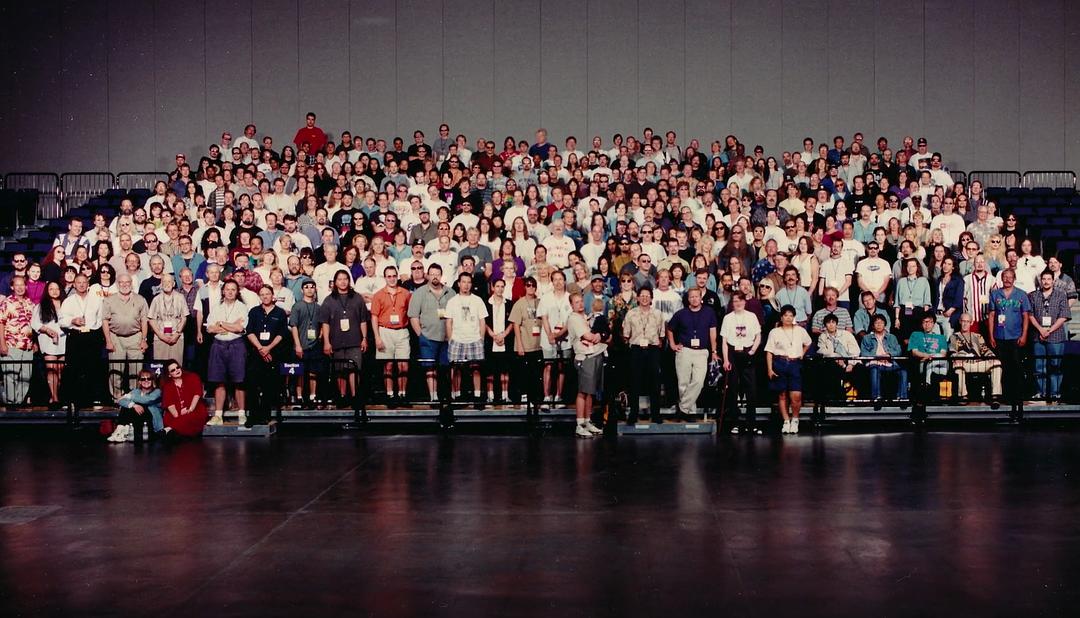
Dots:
(884, 348)
(1049, 312)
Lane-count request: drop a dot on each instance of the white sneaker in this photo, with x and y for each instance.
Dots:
(734, 431)
(117, 435)
(583, 432)
(593, 429)
(786, 428)
(129, 433)
(241, 418)
(794, 425)
(216, 420)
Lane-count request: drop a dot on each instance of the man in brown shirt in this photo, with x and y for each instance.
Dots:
(123, 320)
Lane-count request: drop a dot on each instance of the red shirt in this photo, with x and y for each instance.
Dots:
(314, 136)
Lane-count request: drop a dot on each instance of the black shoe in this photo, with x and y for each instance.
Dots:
(657, 419)
(994, 405)
(877, 405)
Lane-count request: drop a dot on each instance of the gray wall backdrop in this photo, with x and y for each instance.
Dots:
(123, 85)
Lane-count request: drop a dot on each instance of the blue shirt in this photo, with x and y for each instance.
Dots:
(689, 325)
(1009, 313)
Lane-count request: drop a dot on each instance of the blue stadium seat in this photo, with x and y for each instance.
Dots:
(1042, 191)
(1065, 191)
(1019, 191)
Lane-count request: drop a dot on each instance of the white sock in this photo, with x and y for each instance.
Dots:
(456, 394)
(218, 412)
(491, 394)
(476, 394)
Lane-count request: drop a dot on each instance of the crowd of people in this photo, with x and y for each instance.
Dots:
(514, 272)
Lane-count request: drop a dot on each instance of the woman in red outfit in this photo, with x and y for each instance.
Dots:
(182, 397)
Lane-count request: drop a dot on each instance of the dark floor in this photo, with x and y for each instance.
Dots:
(844, 525)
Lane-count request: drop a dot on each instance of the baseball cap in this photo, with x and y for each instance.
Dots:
(424, 209)
(922, 141)
(419, 242)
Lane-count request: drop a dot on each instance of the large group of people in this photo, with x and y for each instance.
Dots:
(514, 272)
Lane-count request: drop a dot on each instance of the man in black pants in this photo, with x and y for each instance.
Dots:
(741, 335)
(267, 327)
(84, 366)
(1009, 311)
(643, 328)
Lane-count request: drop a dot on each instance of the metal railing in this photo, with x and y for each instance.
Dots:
(1052, 179)
(959, 176)
(998, 178)
(78, 187)
(140, 180)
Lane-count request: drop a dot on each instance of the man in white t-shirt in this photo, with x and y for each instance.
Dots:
(592, 250)
(465, 315)
(558, 245)
(874, 272)
(949, 222)
(553, 311)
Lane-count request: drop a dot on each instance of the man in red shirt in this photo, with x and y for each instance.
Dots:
(311, 134)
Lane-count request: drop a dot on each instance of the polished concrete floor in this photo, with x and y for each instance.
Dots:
(896, 524)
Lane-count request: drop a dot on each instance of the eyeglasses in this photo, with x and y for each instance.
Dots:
(19, 261)
(146, 379)
(417, 268)
(995, 242)
(789, 227)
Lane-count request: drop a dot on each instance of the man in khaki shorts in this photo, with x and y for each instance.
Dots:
(390, 323)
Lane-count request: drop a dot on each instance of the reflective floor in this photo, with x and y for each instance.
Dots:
(891, 524)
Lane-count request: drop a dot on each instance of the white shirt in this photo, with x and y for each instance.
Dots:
(87, 307)
(739, 330)
(951, 227)
(559, 248)
(591, 253)
(324, 277)
(466, 312)
(874, 271)
(834, 270)
(228, 312)
(788, 343)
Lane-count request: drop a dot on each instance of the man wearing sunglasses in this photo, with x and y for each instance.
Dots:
(19, 264)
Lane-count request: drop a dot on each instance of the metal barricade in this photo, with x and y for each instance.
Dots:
(47, 185)
(999, 178)
(140, 180)
(1051, 179)
(76, 188)
(959, 176)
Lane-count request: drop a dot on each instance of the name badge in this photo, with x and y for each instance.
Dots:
(1046, 322)
(84, 329)
(343, 325)
(909, 309)
(167, 327)
(442, 313)
(264, 336)
(695, 343)
(311, 333)
(535, 331)
(1001, 320)
(395, 318)
(985, 299)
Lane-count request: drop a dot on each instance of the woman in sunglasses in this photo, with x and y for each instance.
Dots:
(182, 397)
(137, 408)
